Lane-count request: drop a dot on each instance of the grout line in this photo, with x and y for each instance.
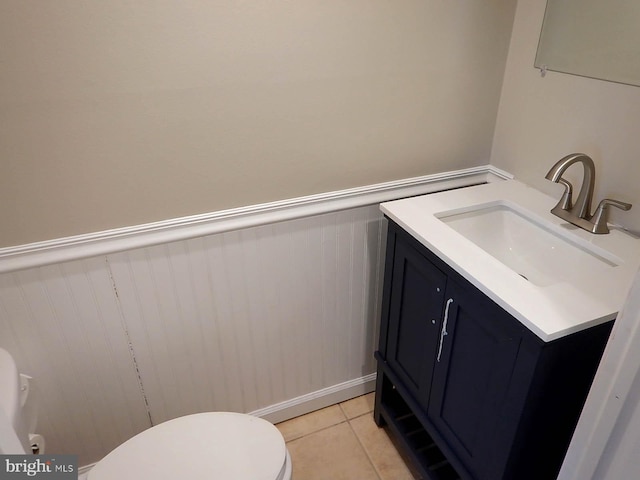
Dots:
(360, 441)
(346, 420)
(322, 429)
(364, 448)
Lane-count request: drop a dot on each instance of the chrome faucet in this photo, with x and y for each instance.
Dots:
(579, 214)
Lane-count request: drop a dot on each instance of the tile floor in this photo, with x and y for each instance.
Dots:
(343, 442)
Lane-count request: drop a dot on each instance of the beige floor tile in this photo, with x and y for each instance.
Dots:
(330, 454)
(311, 422)
(381, 450)
(358, 406)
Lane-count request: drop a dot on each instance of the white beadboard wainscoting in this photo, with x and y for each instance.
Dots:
(274, 315)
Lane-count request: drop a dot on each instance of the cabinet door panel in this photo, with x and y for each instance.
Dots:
(473, 375)
(414, 318)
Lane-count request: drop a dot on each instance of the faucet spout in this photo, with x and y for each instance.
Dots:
(582, 206)
(579, 214)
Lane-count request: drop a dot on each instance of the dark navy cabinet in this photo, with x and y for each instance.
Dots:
(469, 391)
(415, 319)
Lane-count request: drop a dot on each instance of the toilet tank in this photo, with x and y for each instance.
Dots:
(17, 419)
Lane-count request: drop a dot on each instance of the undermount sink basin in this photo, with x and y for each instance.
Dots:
(535, 251)
(494, 232)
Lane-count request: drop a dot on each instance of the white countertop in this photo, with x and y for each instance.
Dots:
(550, 311)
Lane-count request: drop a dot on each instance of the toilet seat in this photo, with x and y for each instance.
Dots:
(214, 445)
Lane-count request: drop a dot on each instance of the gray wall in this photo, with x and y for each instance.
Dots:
(540, 120)
(120, 113)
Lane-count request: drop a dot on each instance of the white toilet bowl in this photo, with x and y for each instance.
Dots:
(212, 446)
(215, 445)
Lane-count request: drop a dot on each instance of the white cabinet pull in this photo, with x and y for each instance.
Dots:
(443, 332)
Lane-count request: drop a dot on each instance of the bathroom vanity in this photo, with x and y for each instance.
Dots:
(482, 373)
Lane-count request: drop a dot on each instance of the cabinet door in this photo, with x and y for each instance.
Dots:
(415, 314)
(472, 375)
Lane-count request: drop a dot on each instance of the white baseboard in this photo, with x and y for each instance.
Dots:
(301, 405)
(138, 236)
(316, 400)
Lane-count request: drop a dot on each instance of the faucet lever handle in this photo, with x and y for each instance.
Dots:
(599, 218)
(566, 202)
(614, 203)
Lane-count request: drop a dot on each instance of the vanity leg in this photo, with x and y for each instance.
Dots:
(377, 415)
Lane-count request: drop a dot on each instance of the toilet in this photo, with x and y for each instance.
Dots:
(212, 445)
